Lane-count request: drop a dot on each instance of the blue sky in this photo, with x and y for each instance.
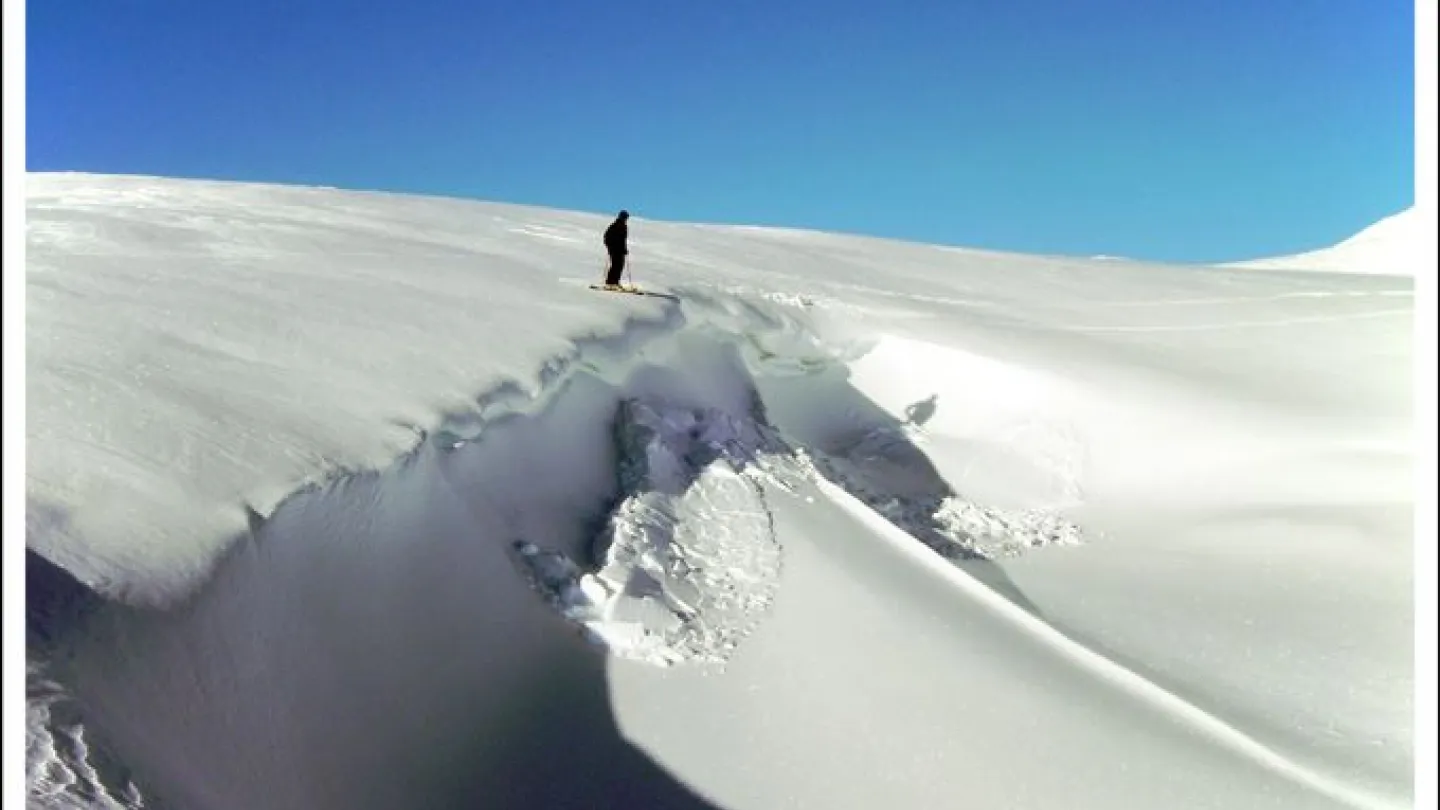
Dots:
(1187, 131)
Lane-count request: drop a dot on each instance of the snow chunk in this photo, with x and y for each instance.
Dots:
(691, 563)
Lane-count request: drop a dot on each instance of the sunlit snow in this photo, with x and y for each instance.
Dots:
(360, 500)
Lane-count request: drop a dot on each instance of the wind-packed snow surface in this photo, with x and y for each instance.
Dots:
(346, 500)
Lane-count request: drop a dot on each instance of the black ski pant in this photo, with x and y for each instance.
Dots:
(617, 266)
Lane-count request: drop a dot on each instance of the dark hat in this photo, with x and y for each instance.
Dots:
(624, 214)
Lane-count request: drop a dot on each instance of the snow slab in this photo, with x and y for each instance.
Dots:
(360, 500)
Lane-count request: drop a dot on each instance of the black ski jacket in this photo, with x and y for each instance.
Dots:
(615, 237)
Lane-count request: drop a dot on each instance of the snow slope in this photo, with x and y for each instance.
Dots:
(364, 500)
(1389, 247)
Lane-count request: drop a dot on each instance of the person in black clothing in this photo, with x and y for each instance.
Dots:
(615, 237)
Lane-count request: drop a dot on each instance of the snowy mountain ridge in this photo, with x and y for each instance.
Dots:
(1391, 246)
(365, 501)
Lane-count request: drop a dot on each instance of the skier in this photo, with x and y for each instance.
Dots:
(615, 237)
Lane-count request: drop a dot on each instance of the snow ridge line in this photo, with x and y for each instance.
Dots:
(1132, 683)
(613, 357)
(607, 356)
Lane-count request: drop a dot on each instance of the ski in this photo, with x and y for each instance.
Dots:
(630, 290)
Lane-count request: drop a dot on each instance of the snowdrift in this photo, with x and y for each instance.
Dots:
(362, 500)
(1391, 246)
